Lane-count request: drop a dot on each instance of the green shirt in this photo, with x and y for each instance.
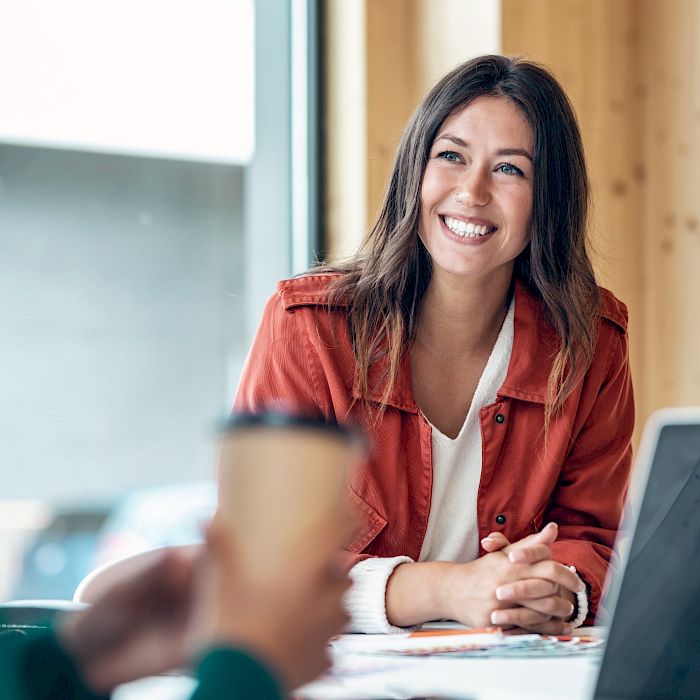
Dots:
(37, 667)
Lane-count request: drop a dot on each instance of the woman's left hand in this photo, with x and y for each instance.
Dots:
(539, 604)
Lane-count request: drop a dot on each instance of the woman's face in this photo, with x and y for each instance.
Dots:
(476, 195)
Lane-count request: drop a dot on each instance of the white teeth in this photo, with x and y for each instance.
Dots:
(463, 229)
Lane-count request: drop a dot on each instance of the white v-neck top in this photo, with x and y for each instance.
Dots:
(452, 533)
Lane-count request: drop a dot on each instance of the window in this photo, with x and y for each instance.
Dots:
(140, 234)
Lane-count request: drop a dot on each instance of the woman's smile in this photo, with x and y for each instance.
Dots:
(468, 231)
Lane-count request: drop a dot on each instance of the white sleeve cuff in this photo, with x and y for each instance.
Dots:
(581, 604)
(366, 599)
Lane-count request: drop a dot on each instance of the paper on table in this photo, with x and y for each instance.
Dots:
(431, 641)
(468, 642)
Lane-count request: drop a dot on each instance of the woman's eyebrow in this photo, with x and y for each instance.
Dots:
(514, 152)
(501, 152)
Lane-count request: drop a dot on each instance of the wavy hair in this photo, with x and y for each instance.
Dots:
(387, 278)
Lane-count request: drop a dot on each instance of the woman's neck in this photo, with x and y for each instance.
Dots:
(463, 315)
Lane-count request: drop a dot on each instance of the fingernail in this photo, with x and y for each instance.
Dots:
(486, 540)
(503, 592)
(571, 610)
(499, 618)
(551, 525)
(568, 629)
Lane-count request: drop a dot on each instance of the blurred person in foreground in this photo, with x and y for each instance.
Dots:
(185, 607)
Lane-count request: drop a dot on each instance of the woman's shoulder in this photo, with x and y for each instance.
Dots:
(612, 309)
(312, 289)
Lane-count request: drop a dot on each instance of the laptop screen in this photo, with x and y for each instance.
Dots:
(653, 646)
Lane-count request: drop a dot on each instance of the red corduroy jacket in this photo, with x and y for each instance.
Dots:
(302, 359)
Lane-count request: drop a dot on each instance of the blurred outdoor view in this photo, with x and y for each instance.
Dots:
(128, 201)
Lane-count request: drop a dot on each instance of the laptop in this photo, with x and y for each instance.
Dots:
(653, 639)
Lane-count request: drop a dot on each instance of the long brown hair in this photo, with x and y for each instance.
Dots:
(387, 278)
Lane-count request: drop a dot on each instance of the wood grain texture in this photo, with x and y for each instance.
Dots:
(392, 88)
(593, 47)
(670, 69)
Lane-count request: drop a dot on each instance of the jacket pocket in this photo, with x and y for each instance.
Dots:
(371, 523)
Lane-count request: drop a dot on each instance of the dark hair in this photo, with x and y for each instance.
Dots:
(386, 280)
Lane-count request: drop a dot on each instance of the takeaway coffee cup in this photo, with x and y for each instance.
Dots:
(282, 491)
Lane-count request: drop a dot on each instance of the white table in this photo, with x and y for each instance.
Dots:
(360, 677)
(571, 678)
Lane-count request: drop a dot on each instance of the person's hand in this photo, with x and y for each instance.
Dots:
(476, 593)
(530, 549)
(136, 627)
(287, 621)
(543, 603)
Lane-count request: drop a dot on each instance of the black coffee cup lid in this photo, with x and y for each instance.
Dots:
(285, 419)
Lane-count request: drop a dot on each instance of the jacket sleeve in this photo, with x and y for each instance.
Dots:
(589, 498)
(278, 372)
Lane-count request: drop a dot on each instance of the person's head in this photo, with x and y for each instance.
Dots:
(559, 181)
(393, 268)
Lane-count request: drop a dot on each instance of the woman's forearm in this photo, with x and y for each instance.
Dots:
(414, 593)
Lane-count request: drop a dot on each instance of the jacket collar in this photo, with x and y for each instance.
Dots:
(534, 349)
(535, 344)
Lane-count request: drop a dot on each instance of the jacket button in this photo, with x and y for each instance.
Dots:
(501, 519)
(500, 418)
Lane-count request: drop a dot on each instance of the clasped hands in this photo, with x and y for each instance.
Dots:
(515, 585)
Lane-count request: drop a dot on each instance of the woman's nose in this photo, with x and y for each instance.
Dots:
(473, 189)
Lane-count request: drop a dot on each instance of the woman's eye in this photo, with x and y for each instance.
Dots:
(509, 169)
(450, 156)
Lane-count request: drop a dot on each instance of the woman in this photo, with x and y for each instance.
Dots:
(469, 337)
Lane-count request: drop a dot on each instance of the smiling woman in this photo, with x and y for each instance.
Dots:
(468, 335)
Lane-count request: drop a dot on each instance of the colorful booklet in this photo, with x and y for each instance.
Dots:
(490, 641)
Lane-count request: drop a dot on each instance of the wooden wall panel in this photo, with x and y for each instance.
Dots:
(392, 88)
(449, 32)
(593, 47)
(671, 212)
